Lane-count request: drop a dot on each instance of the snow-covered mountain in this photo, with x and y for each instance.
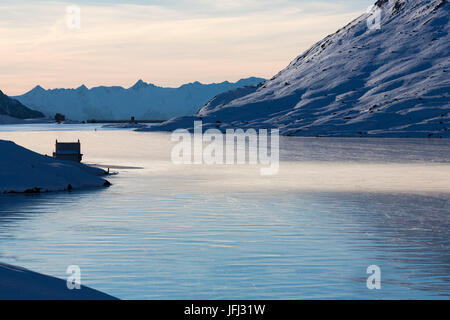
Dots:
(11, 108)
(143, 100)
(392, 82)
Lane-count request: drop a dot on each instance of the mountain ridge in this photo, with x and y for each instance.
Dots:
(142, 100)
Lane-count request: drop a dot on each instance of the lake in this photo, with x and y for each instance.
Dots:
(166, 231)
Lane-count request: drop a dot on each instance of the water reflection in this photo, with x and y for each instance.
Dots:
(204, 233)
(409, 233)
(307, 245)
(15, 209)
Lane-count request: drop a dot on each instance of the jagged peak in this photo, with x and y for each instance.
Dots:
(140, 84)
(37, 88)
(195, 83)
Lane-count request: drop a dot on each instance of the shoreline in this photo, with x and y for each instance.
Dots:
(17, 283)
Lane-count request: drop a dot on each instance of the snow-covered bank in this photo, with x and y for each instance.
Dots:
(358, 82)
(5, 119)
(17, 283)
(22, 170)
(127, 125)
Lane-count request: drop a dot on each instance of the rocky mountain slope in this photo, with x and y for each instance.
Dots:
(11, 108)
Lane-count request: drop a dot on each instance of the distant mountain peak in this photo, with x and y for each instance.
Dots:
(82, 88)
(140, 84)
(37, 88)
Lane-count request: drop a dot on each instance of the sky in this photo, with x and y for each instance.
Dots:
(59, 44)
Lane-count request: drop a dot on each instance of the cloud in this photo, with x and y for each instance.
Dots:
(166, 44)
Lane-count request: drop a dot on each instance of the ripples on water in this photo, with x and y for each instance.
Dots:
(193, 233)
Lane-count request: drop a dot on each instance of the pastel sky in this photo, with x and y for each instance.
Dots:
(165, 42)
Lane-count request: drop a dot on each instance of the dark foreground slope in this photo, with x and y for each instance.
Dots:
(21, 284)
(13, 108)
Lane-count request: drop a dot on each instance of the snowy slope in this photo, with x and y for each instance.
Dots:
(127, 125)
(22, 170)
(143, 100)
(21, 284)
(356, 82)
(4, 119)
(13, 108)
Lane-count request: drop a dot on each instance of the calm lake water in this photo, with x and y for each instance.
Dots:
(224, 232)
